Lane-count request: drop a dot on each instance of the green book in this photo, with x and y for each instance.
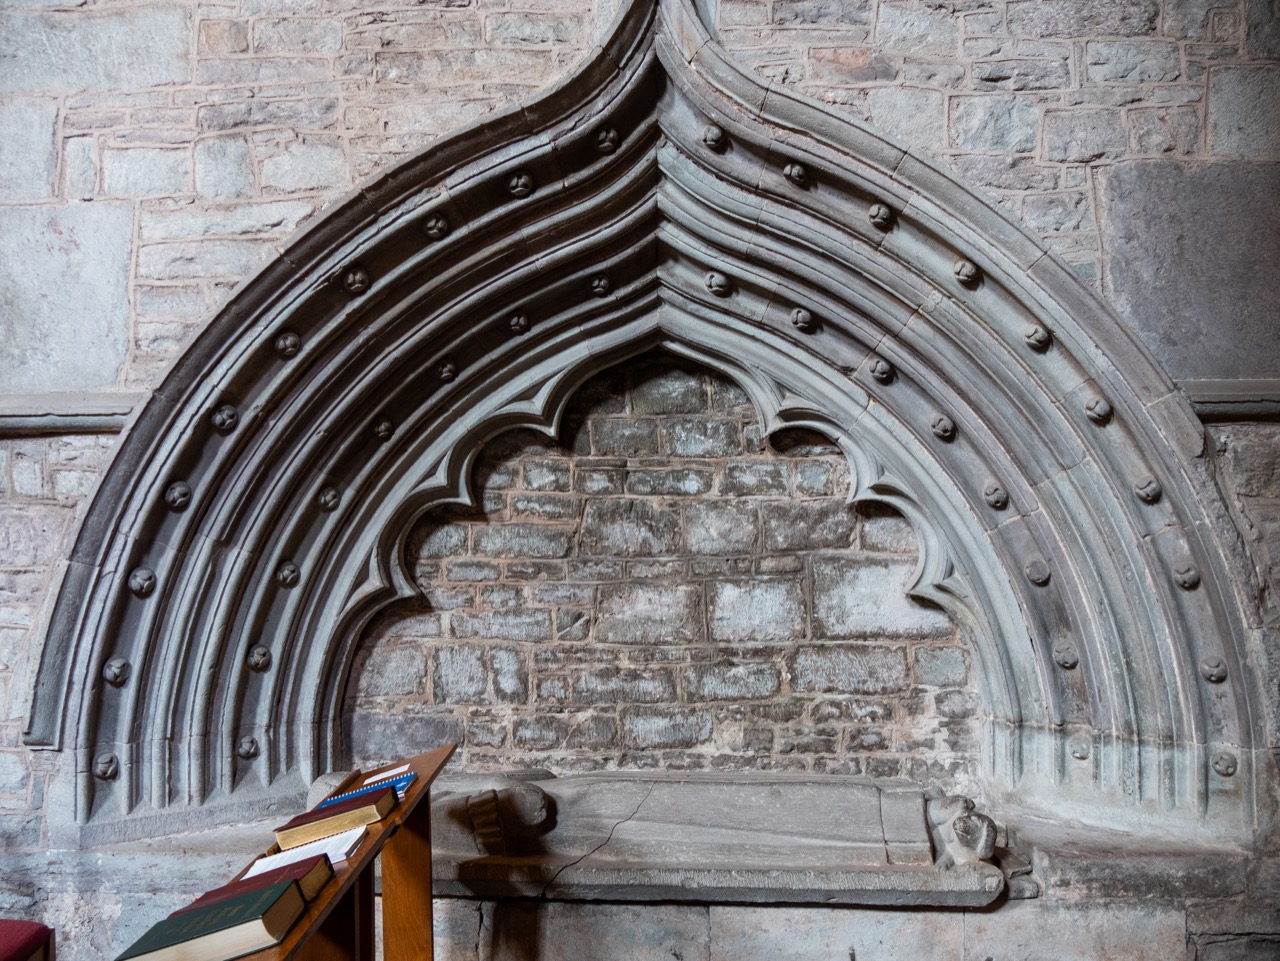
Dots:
(253, 921)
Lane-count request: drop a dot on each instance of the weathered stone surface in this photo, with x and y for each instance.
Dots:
(1005, 173)
(762, 610)
(1022, 74)
(734, 682)
(1004, 123)
(867, 600)
(666, 729)
(79, 168)
(1064, 211)
(1244, 111)
(911, 116)
(297, 35)
(191, 220)
(458, 676)
(400, 670)
(540, 29)
(1262, 29)
(791, 934)
(189, 260)
(28, 160)
(718, 527)
(806, 525)
(919, 31)
(849, 669)
(1207, 308)
(649, 614)
(831, 13)
(120, 49)
(1164, 130)
(64, 280)
(376, 739)
(310, 164)
(1081, 136)
(146, 172)
(1118, 61)
(223, 168)
(1082, 18)
(1134, 930)
(940, 665)
(523, 625)
(629, 528)
(566, 931)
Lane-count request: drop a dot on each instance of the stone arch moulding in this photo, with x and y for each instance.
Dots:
(253, 519)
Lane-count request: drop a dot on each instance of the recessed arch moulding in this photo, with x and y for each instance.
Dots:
(253, 519)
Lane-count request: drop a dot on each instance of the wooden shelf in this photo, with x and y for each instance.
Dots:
(338, 923)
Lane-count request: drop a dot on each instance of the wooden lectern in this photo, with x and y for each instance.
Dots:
(338, 923)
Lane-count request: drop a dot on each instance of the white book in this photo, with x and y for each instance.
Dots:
(337, 846)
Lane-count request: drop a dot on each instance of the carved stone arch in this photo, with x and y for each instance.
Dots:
(252, 519)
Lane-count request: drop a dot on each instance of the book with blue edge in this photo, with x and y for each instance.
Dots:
(400, 783)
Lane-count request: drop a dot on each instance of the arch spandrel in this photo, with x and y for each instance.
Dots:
(971, 380)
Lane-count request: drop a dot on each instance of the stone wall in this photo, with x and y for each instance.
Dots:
(665, 587)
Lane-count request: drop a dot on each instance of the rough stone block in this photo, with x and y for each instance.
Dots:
(145, 172)
(510, 676)
(718, 527)
(849, 669)
(827, 13)
(1134, 930)
(853, 598)
(120, 49)
(393, 671)
(1208, 309)
(1082, 136)
(64, 275)
(573, 931)
(731, 682)
(792, 934)
(1262, 29)
(807, 525)
(534, 29)
(1005, 173)
(1120, 61)
(518, 625)
(14, 775)
(539, 733)
(521, 540)
(1164, 130)
(758, 610)
(28, 158)
(701, 437)
(1022, 74)
(1066, 211)
(638, 613)
(377, 739)
(218, 38)
(684, 482)
(629, 528)
(754, 477)
(1244, 111)
(309, 164)
(458, 675)
(910, 115)
(1188, 19)
(667, 729)
(315, 113)
(624, 438)
(176, 222)
(1082, 18)
(611, 685)
(297, 35)
(214, 259)
(672, 390)
(918, 31)
(995, 123)
(79, 168)
(849, 65)
(939, 666)
(223, 168)
(594, 732)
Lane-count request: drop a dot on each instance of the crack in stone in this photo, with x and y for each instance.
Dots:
(617, 824)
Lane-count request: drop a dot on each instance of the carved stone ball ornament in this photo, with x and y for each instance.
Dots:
(714, 137)
(1148, 490)
(435, 226)
(882, 370)
(607, 140)
(881, 216)
(943, 427)
(967, 272)
(717, 283)
(1080, 748)
(518, 322)
(116, 671)
(328, 498)
(258, 659)
(383, 428)
(1065, 656)
(247, 748)
(142, 581)
(178, 495)
(1225, 763)
(288, 344)
(802, 320)
(106, 767)
(448, 370)
(796, 173)
(1213, 670)
(520, 184)
(287, 574)
(1186, 576)
(1038, 572)
(1037, 337)
(225, 419)
(1097, 410)
(600, 285)
(997, 497)
(355, 280)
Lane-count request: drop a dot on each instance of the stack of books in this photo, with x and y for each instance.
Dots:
(258, 909)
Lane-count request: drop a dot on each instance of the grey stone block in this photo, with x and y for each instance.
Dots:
(176, 222)
(909, 115)
(517, 625)
(534, 29)
(1164, 130)
(377, 739)
(793, 934)
(214, 259)
(807, 525)
(1244, 111)
(1262, 29)
(718, 527)
(668, 729)
(64, 275)
(1144, 930)
(673, 390)
(393, 671)
(1120, 61)
(754, 477)
(1187, 19)
(918, 31)
(611, 685)
(1022, 74)
(569, 931)
(731, 682)
(760, 610)
(1082, 18)
(669, 483)
(121, 49)
(629, 528)
(145, 172)
(444, 540)
(539, 733)
(638, 613)
(849, 669)
(314, 114)
(223, 168)
(308, 164)
(297, 35)
(1082, 136)
(1004, 123)
(1205, 309)
(79, 168)
(1005, 173)
(28, 158)
(624, 438)
(868, 599)
(458, 675)
(1065, 211)
(701, 437)
(938, 666)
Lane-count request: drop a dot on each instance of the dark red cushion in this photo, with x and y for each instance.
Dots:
(19, 940)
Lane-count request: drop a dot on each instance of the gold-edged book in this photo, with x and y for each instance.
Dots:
(336, 818)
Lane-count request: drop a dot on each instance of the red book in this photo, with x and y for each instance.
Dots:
(311, 874)
(335, 818)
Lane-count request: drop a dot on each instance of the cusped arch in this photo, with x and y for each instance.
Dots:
(253, 519)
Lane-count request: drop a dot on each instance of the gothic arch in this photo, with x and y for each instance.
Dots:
(253, 518)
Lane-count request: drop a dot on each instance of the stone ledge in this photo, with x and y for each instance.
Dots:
(65, 413)
(1224, 400)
